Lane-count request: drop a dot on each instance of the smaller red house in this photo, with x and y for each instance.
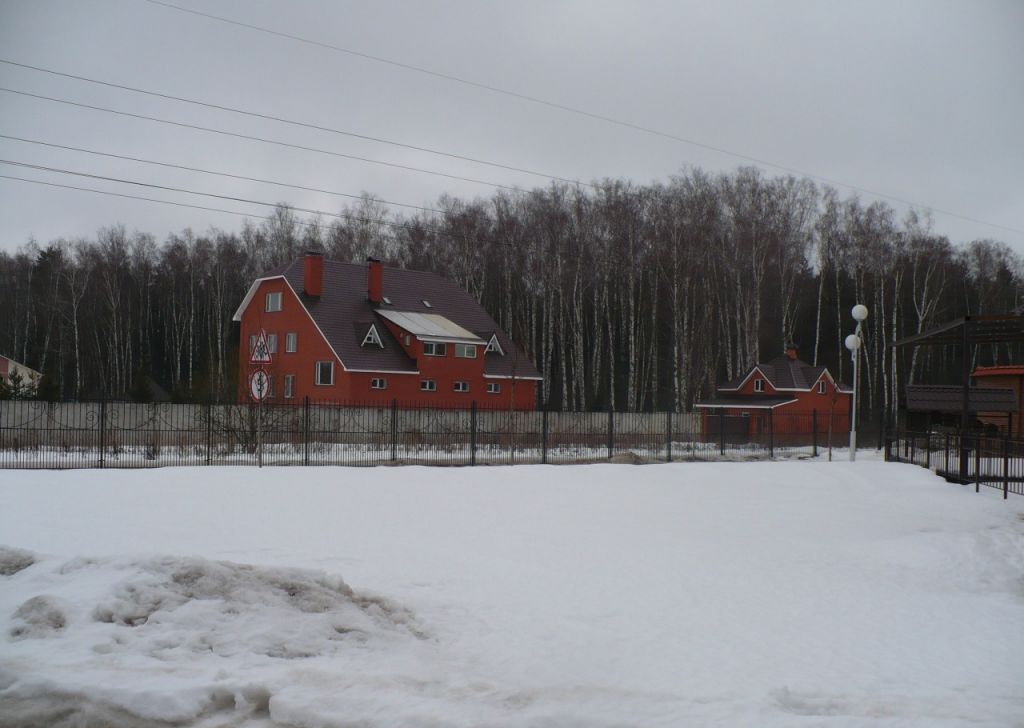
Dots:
(373, 335)
(1008, 377)
(786, 396)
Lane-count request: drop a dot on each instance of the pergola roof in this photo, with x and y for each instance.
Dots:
(997, 329)
(949, 398)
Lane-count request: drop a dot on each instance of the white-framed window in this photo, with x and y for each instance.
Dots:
(291, 342)
(325, 373)
(465, 351)
(273, 302)
(289, 386)
(494, 346)
(372, 337)
(378, 383)
(270, 385)
(435, 348)
(493, 388)
(428, 385)
(758, 385)
(461, 386)
(408, 340)
(272, 343)
(252, 342)
(821, 387)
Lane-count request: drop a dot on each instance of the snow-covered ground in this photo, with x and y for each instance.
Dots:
(734, 594)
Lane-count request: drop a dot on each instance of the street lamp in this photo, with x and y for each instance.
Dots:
(853, 343)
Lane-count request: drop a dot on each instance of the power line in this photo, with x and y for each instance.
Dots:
(342, 216)
(211, 172)
(264, 140)
(577, 111)
(303, 124)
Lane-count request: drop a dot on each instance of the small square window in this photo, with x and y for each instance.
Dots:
(273, 302)
(821, 387)
(272, 343)
(493, 388)
(428, 385)
(758, 385)
(378, 383)
(325, 373)
(465, 351)
(291, 342)
(434, 348)
(461, 386)
(289, 386)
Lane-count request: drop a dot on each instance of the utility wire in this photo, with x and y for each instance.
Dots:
(257, 139)
(575, 110)
(303, 124)
(341, 216)
(211, 172)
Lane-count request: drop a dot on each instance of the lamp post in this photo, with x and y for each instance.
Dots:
(853, 343)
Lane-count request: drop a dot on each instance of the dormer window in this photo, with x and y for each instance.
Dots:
(758, 385)
(386, 300)
(427, 303)
(494, 346)
(372, 337)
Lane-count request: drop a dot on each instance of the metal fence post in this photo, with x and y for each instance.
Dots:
(668, 438)
(771, 434)
(209, 431)
(103, 429)
(721, 431)
(394, 430)
(544, 436)
(305, 430)
(1006, 467)
(472, 434)
(928, 451)
(947, 453)
(913, 447)
(611, 433)
(814, 429)
(977, 464)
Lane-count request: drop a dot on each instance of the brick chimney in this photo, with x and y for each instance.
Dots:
(792, 351)
(374, 280)
(313, 274)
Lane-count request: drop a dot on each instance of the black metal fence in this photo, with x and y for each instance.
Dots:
(995, 462)
(109, 434)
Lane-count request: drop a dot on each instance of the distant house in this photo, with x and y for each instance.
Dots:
(12, 372)
(374, 335)
(768, 393)
(1003, 377)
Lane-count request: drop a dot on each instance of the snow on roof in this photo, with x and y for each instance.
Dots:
(430, 326)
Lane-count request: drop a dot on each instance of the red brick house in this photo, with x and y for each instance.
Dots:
(777, 390)
(369, 334)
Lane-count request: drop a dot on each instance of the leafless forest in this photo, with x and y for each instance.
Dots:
(626, 296)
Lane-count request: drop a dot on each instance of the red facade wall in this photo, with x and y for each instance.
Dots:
(354, 387)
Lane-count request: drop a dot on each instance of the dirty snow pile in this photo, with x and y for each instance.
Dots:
(765, 594)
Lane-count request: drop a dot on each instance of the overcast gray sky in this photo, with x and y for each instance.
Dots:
(918, 100)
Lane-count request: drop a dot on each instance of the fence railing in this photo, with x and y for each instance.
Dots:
(109, 434)
(995, 462)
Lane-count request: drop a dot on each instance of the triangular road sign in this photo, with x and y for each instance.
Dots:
(261, 351)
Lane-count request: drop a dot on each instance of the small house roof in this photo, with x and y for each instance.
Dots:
(785, 374)
(1003, 370)
(745, 401)
(949, 398)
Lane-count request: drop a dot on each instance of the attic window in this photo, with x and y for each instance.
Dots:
(821, 387)
(427, 303)
(372, 337)
(758, 385)
(494, 346)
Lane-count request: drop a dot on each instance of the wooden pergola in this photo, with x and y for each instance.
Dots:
(967, 332)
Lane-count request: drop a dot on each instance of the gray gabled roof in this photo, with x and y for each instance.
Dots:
(785, 373)
(343, 305)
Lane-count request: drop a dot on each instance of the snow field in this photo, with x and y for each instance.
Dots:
(783, 593)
